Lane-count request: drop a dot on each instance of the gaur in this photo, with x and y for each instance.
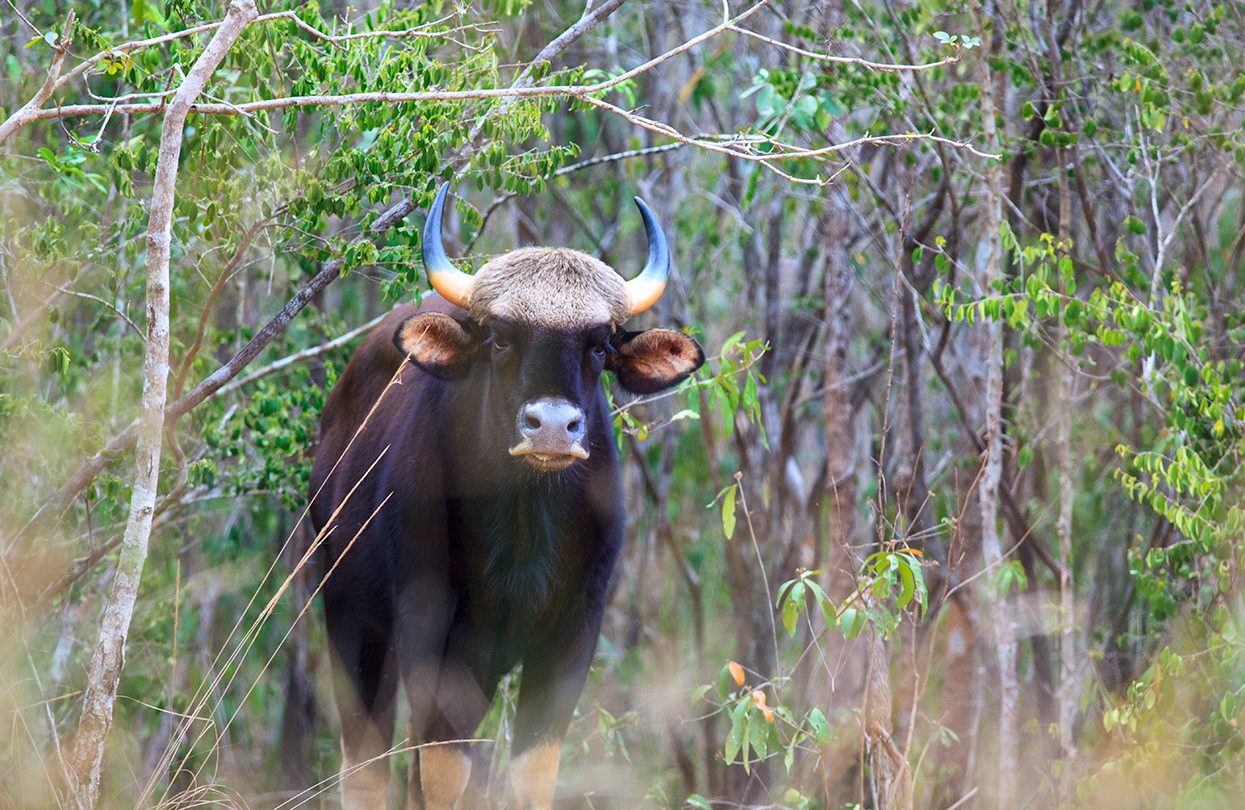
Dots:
(467, 491)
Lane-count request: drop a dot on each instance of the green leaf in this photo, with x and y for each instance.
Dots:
(791, 608)
(59, 360)
(820, 726)
(907, 586)
(732, 342)
(758, 734)
(728, 511)
(735, 739)
(851, 622)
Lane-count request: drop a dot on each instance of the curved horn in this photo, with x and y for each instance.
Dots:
(453, 284)
(646, 288)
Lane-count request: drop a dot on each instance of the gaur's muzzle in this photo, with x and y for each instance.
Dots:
(551, 434)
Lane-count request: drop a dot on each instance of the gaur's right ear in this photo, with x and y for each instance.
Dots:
(436, 343)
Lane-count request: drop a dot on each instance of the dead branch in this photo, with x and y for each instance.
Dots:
(102, 302)
(598, 160)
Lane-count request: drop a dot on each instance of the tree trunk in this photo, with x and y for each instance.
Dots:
(840, 757)
(1066, 695)
(86, 755)
(888, 765)
(989, 269)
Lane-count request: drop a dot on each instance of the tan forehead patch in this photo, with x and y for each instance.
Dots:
(554, 288)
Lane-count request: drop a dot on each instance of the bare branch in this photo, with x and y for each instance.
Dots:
(23, 17)
(897, 138)
(425, 30)
(845, 60)
(748, 147)
(140, 44)
(298, 357)
(590, 19)
(108, 304)
(574, 167)
(31, 111)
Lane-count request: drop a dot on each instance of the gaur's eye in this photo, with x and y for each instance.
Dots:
(598, 350)
(499, 343)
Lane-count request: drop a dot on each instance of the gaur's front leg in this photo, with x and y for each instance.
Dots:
(442, 769)
(446, 699)
(364, 676)
(553, 677)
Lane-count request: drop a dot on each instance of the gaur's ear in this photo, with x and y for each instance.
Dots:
(436, 343)
(646, 362)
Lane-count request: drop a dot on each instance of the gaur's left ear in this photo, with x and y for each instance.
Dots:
(436, 343)
(646, 362)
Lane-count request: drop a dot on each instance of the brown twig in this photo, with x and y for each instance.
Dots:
(214, 293)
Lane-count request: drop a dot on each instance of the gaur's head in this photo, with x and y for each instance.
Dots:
(542, 325)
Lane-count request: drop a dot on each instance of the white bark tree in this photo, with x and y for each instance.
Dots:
(87, 753)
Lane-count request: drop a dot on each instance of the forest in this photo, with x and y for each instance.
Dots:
(952, 517)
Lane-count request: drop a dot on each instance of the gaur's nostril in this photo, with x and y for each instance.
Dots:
(531, 421)
(574, 426)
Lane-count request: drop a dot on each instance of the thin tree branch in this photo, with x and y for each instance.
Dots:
(27, 113)
(139, 44)
(590, 19)
(109, 305)
(846, 60)
(298, 357)
(574, 167)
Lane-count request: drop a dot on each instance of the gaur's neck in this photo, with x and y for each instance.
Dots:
(523, 534)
